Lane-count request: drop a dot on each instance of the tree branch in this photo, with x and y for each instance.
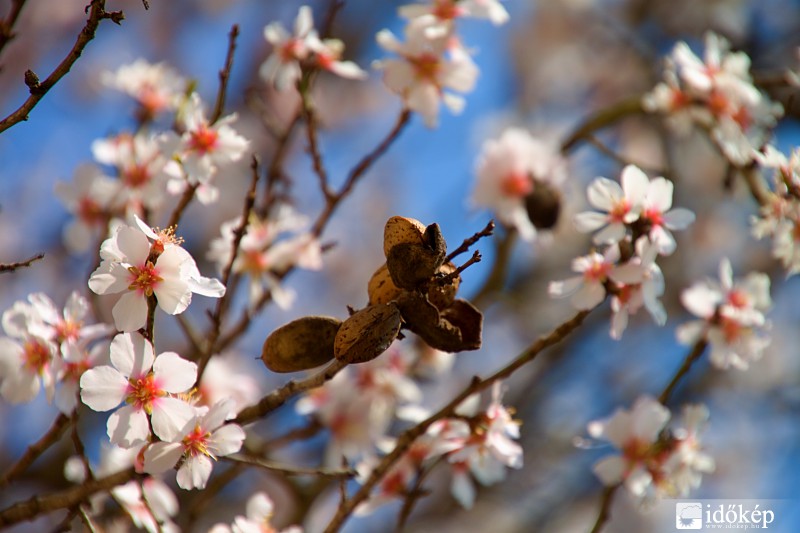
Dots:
(11, 267)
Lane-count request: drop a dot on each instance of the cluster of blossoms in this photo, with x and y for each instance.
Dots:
(655, 460)
(148, 166)
(45, 347)
(519, 178)
(433, 61)
(156, 390)
(303, 50)
(258, 518)
(265, 253)
(715, 93)
(731, 315)
(634, 223)
(780, 215)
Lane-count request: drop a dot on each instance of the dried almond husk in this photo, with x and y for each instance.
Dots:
(381, 288)
(301, 344)
(368, 333)
(455, 329)
(399, 230)
(443, 295)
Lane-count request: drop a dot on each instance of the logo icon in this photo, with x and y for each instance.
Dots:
(689, 515)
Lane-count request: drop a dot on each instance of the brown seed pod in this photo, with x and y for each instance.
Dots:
(455, 329)
(367, 334)
(399, 230)
(301, 344)
(543, 205)
(381, 288)
(442, 295)
(412, 264)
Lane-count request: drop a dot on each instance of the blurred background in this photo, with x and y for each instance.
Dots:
(551, 66)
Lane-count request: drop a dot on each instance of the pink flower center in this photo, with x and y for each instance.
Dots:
(619, 210)
(291, 50)
(738, 299)
(731, 330)
(136, 175)
(196, 442)
(597, 272)
(68, 330)
(90, 211)
(143, 392)
(254, 262)
(144, 279)
(679, 99)
(426, 66)
(447, 10)
(151, 99)
(203, 140)
(517, 185)
(654, 216)
(394, 484)
(36, 356)
(74, 371)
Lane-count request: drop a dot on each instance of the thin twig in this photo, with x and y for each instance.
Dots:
(185, 199)
(502, 259)
(224, 301)
(465, 246)
(36, 449)
(291, 470)
(279, 396)
(38, 89)
(11, 267)
(605, 508)
(225, 74)
(86, 519)
(601, 119)
(28, 509)
(366, 162)
(7, 25)
(476, 258)
(477, 385)
(313, 145)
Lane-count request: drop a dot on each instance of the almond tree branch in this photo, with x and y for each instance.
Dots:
(477, 385)
(225, 74)
(36, 449)
(601, 119)
(279, 396)
(11, 267)
(64, 499)
(38, 89)
(7, 24)
(290, 470)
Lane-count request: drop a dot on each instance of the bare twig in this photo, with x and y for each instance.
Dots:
(279, 396)
(465, 246)
(496, 278)
(601, 119)
(36, 449)
(605, 508)
(291, 470)
(64, 499)
(225, 74)
(11, 267)
(695, 353)
(7, 24)
(97, 13)
(477, 385)
(476, 258)
(185, 199)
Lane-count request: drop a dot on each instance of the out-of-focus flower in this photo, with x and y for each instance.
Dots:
(426, 69)
(282, 67)
(130, 264)
(716, 93)
(147, 384)
(438, 16)
(89, 197)
(260, 509)
(688, 461)
(203, 438)
(139, 161)
(26, 365)
(264, 258)
(512, 169)
(732, 313)
(223, 379)
(157, 87)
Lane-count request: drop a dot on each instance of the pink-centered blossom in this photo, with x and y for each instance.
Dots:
(89, 197)
(258, 517)
(438, 16)
(282, 67)
(427, 71)
(509, 169)
(197, 444)
(132, 265)
(732, 313)
(149, 386)
(156, 87)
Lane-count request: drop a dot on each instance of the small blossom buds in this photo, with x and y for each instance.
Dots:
(301, 344)
(367, 334)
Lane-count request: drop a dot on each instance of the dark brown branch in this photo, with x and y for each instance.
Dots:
(476, 258)
(279, 396)
(223, 302)
(36, 449)
(366, 162)
(225, 74)
(290, 470)
(602, 119)
(477, 385)
(7, 24)
(11, 267)
(605, 508)
(64, 499)
(313, 145)
(697, 350)
(465, 246)
(97, 13)
(183, 203)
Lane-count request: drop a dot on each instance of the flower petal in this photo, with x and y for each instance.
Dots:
(162, 456)
(173, 373)
(103, 388)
